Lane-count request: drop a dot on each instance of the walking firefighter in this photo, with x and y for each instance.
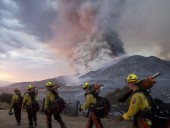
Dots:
(53, 105)
(31, 104)
(90, 102)
(147, 112)
(16, 104)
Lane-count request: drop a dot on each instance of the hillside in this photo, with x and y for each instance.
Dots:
(112, 76)
(142, 66)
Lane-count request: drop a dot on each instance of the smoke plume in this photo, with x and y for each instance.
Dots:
(90, 32)
(84, 32)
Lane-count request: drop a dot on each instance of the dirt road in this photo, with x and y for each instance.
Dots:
(7, 121)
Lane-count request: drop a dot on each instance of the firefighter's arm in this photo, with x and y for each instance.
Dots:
(47, 99)
(12, 102)
(133, 108)
(35, 97)
(25, 100)
(87, 102)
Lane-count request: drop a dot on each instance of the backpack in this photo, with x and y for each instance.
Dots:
(102, 106)
(35, 104)
(160, 111)
(59, 104)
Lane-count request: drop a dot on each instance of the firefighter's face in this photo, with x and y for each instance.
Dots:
(130, 85)
(86, 90)
(49, 88)
(32, 90)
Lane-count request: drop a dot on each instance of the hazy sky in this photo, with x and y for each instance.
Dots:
(40, 39)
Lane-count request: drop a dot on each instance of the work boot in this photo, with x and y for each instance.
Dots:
(18, 123)
(30, 125)
(35, 123)
(63, 125)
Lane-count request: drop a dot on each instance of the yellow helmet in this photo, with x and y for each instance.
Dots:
(29, 87)
(132, 78)
(86, 85)
(49, 84)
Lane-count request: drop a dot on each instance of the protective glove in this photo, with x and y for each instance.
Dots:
(120, 118)
(10, 112)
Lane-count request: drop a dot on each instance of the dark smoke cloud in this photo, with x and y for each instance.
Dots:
(85, 29)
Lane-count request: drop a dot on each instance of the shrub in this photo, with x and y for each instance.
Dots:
(5, 98)
(114, 95)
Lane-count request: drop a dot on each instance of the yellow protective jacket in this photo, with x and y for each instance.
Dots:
(90, 100)
(27, 99)
(50, 97)
(138, 102)
(15, 98)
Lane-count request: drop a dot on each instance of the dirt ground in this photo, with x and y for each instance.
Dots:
(7, 121)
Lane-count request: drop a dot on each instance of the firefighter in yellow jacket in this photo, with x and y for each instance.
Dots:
(139, 104)
(51, 96)
(16, 103)
(90, 102)
(31, 104)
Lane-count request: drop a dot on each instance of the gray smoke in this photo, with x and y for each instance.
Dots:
(91, 32)
(85, 30)
(144, 27)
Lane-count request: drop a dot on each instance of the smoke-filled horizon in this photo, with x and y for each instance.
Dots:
(47, 38)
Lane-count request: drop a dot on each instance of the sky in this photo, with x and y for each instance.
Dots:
(42, 39)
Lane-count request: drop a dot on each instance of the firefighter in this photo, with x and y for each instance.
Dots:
(31, 105)
(16, 103)
(49, 109)
(90, 101)
(139, 104)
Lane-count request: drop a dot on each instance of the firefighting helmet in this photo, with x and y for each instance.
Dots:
(132, 78)
(49, 84)
(29, 87)
(86, 85)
